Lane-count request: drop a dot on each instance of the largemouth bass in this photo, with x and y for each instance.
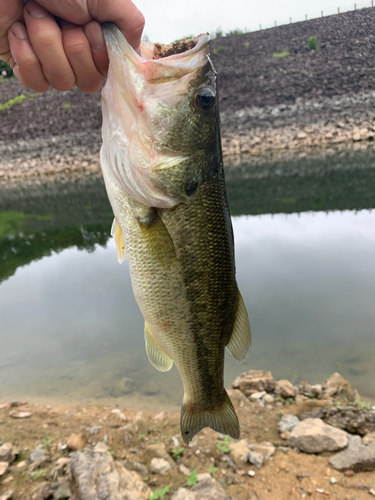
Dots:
(163, 170)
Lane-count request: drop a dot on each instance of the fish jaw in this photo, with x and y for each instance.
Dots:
(139, 103)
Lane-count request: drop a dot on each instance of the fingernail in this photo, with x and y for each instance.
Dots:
(35, 10)
(19, 31)
(95, 36)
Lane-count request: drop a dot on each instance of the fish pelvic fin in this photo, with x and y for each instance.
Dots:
(155, 353)
(222, 419)
(240, 340)
(116, 233)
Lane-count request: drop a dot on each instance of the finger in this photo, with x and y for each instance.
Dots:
(46, 39)
(94, 34)
(25, 63)
(10, 12)
(78, 52)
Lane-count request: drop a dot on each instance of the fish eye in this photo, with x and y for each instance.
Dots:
(205, 99)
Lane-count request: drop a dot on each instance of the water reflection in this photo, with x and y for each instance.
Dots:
(70, 325)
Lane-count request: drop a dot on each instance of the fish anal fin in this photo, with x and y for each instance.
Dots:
(221, 419)
(116, 233)
(155, 353)
(240, 340)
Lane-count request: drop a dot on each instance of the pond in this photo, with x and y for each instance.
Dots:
(70, 329)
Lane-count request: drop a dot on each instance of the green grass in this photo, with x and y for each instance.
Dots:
(17, 100)
(246, 45)
(157, 494)
(278, 55)
(177, 452)
(313, 43)
(66, 105)
(192, 479)
(223, 444)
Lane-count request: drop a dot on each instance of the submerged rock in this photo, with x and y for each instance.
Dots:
(356, 458)
(314, 436)
(208, 489)
(96, 475)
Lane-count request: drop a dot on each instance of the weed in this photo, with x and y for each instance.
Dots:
(223, 444)
(17, 100)
(247, 45)
(278, 55)
(39, 473)
(192, 479)
(215, 52)
(177, 452)
(363, 404)
(212, 470)
(219, 33)
(221, 49)
(236, 32)
(46, 442)
(337, 404)
(111, 453)
(313, 43)
(160, 493)
(66, 105)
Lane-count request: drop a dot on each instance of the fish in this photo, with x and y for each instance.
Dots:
(162, 165)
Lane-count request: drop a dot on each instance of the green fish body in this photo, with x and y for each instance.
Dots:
(162, 164)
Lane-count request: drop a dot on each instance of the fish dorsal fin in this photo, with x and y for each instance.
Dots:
(155, 353)
(240, 340)
(116, 233)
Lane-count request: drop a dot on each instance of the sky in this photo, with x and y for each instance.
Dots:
(167, 20)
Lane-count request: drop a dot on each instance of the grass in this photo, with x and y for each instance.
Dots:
(160, 493)
(212, 470)
(246, 45)
(313, 43)
(220, 50)
(177, 452)
(192, 479)
(278, 55)
(17, 100)
(223, 444)
(66, 105)
(364, 405)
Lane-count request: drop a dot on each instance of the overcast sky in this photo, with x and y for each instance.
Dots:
(167, 20)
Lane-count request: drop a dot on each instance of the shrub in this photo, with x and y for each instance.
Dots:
(247, 44)
(5, 67)
(313, 43)
(221, 49)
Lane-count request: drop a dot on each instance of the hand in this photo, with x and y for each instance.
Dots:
(71, 51)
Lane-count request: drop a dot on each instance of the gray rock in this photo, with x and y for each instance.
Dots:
(353, 420)
(357, 458)
(63, 491)
(354, 440)
(266, 449)
(256, 458)
(337, 386)
(369, 438)
(6, 453)
(208, 489)
(159, 466)
(3, 468)
(314, 436)
(96, 475)
(285, 389)
(41, 492)
(38, 455)
(239, 452)
(287, 423)
(158, 451)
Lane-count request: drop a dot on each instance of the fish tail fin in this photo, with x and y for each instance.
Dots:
(221, 419)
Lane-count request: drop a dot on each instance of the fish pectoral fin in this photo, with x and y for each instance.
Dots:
(240, 340)
(221, 419)
(116, 233)
(156, 236)
(155, 353)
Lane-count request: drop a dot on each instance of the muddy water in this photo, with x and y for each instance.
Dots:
(70, 329)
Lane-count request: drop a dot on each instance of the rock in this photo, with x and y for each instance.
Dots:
(314, 436)
(7, 495)
(158, 451)
(317, 390)
(20, 414)
(251, 473)
(369, 438)
(203, 476)
(184, 470)
(333, 480)
(101, 448)
(63, 491)
(372, 492)
(337, 386)
(159, 466)
(285, 389)
(268, 398)
(253, 495)
(256, 459)
(356, 458)
(258, 395)
(287, 423)
(353, 420)
(304, 388)
(3, 468)
(208, 489)
(266, 449)
(96, 475)
(254, 381)
(354, 440)
(94, 429)
(38, 455)
(41, 492)
(76, 442)
(6, 453)
(239, 452)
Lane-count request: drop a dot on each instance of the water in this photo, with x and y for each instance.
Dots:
(70, 330)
